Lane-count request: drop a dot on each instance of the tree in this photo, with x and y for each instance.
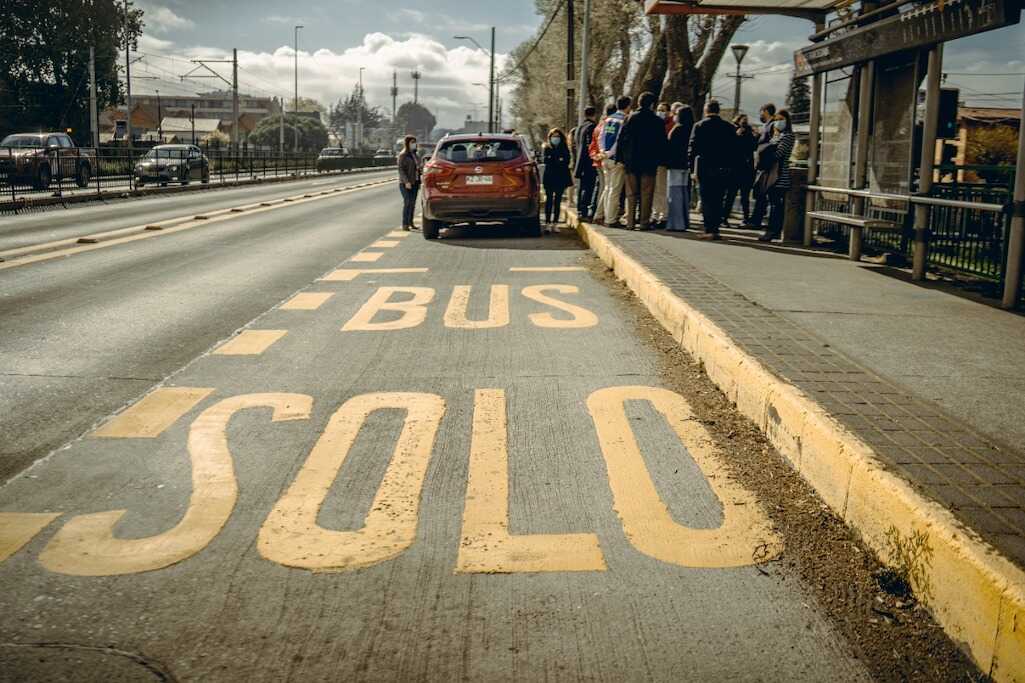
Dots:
(348, 110)
(995, 145)
(312, 133)
(696, 45)
(799, 98)
(415, 119)
(44, 61)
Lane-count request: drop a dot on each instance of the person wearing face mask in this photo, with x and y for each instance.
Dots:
(766, 115)
(409, 180)
(779, 179)
(658, 204)
(678, 180)
(742, 176)
(556, 176)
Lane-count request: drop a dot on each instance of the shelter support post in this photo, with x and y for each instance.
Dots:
(866, 72)
(1016, 240)
(814, 136)
(928, 161)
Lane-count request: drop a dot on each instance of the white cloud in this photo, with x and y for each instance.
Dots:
(161, 19)
(446, 87)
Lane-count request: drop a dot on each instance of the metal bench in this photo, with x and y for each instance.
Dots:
(858, 225)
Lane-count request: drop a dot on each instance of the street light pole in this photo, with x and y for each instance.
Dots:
(739, 51)
(491, 76)
(296, 109)
(128, 79)
(359, 111)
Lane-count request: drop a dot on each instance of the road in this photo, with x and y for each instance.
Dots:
(297, 444)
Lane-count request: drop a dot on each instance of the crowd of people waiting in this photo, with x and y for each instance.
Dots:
(639, 163)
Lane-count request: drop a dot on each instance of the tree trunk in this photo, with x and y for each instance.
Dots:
(652, 71)
(692, 67)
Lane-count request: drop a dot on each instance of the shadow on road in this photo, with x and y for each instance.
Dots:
(498, 236)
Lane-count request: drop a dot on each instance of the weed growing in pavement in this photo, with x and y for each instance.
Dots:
(911, 558)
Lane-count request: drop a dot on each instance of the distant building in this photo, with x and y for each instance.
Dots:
(149, 110)
(970, 120)
(176, 129)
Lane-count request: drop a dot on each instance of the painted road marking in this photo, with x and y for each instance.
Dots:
(250, 343)
(384, 244)
(498, 311)
(306, 301)
(86, 546)
(367, 256)
(745, 537)
(486, 545)
(398, 233)
(184, 223)
(548, 269)
(18, 528)
(291, 535)
(581, 316)
(157, 411)
(413, 310)
(349, 274)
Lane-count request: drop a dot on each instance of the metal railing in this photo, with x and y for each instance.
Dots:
(968, 228)
(70, 172)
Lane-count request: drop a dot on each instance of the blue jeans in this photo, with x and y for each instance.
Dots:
(679, 206)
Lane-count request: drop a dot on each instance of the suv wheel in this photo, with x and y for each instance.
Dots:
(431, 229)
(82, 177)
(42, 181)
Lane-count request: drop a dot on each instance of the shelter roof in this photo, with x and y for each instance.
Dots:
(809, 9)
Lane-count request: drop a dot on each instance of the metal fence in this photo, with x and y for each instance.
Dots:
(30, 173)
(966, 234)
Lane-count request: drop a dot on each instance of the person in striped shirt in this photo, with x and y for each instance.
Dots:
(784, 138)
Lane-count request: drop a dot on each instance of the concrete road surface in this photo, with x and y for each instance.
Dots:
(301, 445)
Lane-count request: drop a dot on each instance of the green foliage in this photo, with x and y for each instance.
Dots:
(799, 97)
(44, 61)
(995, 145)
(312, 133)
(347, 110)
(415, 119)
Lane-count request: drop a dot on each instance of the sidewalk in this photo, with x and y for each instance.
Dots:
(932, 383)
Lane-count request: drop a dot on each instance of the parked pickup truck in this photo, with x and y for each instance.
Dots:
(40, 158)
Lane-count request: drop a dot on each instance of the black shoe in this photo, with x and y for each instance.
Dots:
(766, 237)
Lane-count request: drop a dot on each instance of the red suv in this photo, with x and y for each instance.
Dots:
(481, 179)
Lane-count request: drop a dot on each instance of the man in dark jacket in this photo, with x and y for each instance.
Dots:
(765, 115)
(642, 148)
(584, 169)
(710, 146)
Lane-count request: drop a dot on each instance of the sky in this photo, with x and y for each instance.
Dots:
(340, 36)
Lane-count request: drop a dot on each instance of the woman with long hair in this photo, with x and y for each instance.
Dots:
(678, 176)
(784, 139)
(742, 175)
(409, 180)
(557, 176)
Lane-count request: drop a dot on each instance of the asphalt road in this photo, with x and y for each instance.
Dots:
(351, 454)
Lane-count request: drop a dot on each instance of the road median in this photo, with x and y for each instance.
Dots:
(975, 593)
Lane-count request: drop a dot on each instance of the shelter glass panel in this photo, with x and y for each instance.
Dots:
(838, 111)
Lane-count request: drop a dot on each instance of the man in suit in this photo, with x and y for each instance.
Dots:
(584, 169)
(710, 144)
(642, 148)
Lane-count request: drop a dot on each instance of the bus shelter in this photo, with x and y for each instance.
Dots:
(875, 113)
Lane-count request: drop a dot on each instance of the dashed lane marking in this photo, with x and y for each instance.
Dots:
(151, 416)
(350, 274)
(384, 244)
(18, 528)
(486, 545)
(366, 256)
(250, 343)
(397, 233)
(306, 301)
(548, 269)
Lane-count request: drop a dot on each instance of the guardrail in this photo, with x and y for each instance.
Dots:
(60, 173)
(966, 236)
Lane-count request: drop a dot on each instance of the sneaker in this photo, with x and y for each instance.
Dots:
(766, 237)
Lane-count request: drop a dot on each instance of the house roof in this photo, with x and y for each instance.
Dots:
(173, 124)
(989, 114)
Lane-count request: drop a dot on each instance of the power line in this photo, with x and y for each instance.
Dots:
(537, 42)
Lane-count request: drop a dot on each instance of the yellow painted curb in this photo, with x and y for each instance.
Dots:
(975, 593)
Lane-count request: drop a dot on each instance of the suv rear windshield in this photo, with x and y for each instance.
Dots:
(24, 141)
(475, 151)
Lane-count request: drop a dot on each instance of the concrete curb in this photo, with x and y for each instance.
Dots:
(43, 202)
(976, 594)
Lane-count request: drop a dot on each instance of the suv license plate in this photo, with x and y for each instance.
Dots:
(479, 180)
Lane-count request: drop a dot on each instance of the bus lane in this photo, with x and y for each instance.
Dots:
(441, 459)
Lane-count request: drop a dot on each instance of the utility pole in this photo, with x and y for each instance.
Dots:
(192, 119)
(281, 132)
(394, 95)
(491, 86)
(160, 119)
(359, 110)
(234, 97)
(297, 86)
(738, 53)
(585, 54)
(571, 71)
(93, 122)
(128, 78)
(416, 85)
